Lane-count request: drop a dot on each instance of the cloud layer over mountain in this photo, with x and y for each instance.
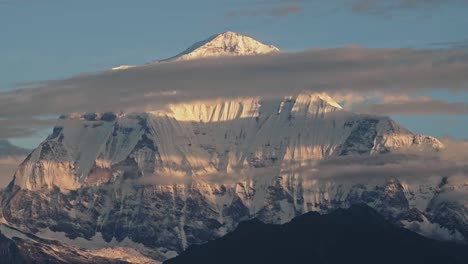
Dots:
(343, 70)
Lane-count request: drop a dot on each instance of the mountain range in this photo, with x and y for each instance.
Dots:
(157, 182)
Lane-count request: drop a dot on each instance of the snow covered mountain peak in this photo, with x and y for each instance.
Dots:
(219, 45)
(224, 44)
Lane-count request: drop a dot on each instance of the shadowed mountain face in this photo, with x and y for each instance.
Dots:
(355, 235)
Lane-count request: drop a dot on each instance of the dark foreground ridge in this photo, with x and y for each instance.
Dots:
(355, 235)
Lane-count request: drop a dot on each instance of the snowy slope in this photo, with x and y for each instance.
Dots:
(224, 44)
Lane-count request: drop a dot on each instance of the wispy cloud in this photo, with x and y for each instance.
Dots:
(389, 7)
(280, 11)
(408, 165)
(405, 105)
(405, 164)
(23, 126)
(268, 8)
(462, 44)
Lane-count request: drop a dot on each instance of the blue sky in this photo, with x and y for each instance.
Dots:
(50, 39)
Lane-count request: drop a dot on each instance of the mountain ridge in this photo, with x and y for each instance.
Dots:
(355, 235)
